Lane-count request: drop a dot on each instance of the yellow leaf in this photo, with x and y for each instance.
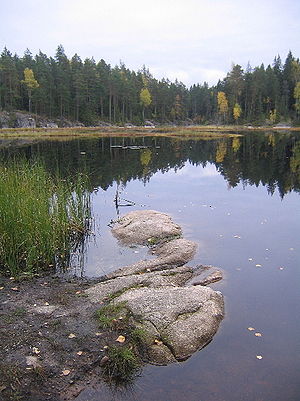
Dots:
(35, 350)
(71, 335)
(258, 334)
(79, 353)
(66, 372)
(121, 339)
(98, 334)
(258, 265)
(251, 328)
(158, 342)
(259, 357)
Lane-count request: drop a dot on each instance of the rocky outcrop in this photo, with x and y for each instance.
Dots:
(179, 321)
(145, 226)
(178, 318)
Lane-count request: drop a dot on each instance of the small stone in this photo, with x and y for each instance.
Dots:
(104, 360)
(66, 372)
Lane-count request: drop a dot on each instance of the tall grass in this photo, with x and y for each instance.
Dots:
(42, 219)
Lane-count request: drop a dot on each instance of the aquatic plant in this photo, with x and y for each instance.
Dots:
(42, 218)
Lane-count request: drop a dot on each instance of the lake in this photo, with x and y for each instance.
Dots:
(238, 198)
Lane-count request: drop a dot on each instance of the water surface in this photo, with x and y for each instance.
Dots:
(238, 198)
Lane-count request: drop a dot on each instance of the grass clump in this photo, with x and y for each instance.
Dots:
(113, 316)
(122, 364)
(42, 218)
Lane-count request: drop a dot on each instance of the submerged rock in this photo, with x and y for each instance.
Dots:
(211, 278)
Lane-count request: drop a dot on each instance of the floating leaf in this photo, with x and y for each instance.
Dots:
(15, 289)
(251, 328)
(47, 303)
(258, 265)
(259, 357)
(35, 350)
(121, 339)
(79, 353)
(158, 342)
(71, 335)
(66, 372)
(236, 236)
(1, 288)
(98, 334)
(258, 334)
(250, 259)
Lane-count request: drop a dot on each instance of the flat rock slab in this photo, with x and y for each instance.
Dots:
(142, 226)
(184, 318)
(118, 285)
(170, 254)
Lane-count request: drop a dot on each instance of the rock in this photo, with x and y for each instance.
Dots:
(177, 321)
(113, 287)
(145, 226)
(170, 254)
(211, 278)
(33, 361)
(44, 309)
(104, 360)
(185, 318)
(24, 121)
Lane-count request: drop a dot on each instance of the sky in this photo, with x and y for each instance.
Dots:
(191, 40)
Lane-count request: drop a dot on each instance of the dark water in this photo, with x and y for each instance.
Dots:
(239, 200)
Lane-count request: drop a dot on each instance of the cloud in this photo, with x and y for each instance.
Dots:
(194, 40)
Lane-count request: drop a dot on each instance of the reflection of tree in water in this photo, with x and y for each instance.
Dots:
(272, 160)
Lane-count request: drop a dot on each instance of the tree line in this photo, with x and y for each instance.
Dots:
(88, 92)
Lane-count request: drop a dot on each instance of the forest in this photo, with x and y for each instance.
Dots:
(88, 92)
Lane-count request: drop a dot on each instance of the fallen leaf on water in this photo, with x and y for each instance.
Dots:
(47, 303)
(79, 353)
(15, 289)
(158, 342)
(72, 335)
(258, 265)
(251, 328)
(121, 339)
(280, 268)
(66, 372)
(105, 347)
(78, 292)
(35, 350)
(236, 236)
(98, 334)
(250, 259)
(259, 357)
(1, 288)
(258, 334)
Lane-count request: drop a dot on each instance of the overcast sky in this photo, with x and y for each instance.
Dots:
(192, 40)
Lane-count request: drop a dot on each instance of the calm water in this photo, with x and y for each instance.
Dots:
(239, 200)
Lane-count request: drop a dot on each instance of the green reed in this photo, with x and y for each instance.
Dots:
(42, 218)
